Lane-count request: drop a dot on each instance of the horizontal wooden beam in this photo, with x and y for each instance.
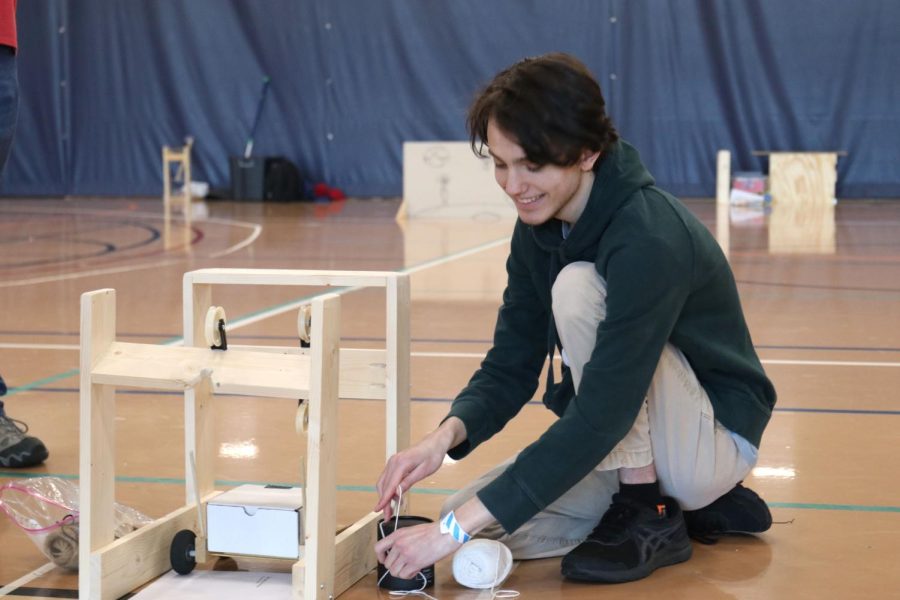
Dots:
(245, 370)
(355, 553)
(138, 557)
(289, 277)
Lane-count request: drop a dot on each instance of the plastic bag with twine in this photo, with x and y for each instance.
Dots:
(46, 508)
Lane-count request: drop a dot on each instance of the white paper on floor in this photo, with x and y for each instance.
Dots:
(221, 585)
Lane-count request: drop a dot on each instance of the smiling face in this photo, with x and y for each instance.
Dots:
(540, 192)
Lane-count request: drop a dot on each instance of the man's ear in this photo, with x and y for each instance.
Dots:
(588, 160)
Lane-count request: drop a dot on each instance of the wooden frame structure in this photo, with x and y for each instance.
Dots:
(320, 374)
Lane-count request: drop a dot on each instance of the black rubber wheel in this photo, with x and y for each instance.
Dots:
(181, 552)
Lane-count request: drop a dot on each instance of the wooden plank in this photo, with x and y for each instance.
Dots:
(806, 178)
(803, 191)
(320, 510)
(198, 407)
(232, 371)
(131, 561)
(354, 552)
(445, 180)
(290, 277)
(97, 433)
(363, 370)
(167, 186)
(397, 354)
(769, 152)
(723, 200)
(200, 422)
(723, 177)
(270, 372)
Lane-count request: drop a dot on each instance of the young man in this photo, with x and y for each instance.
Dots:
(662, 400)
(16, 448)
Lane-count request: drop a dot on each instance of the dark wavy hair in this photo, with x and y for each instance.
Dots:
(551, 105)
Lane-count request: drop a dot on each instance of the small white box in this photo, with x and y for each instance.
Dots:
(256, 520)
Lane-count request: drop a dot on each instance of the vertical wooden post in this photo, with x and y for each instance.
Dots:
(397, 368)
(167, 185)
(97, 439)
(723, 176)
(723, 200)
(186, 192)
(321, 461)
(198, 408)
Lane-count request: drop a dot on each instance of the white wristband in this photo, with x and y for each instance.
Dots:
(450, 525)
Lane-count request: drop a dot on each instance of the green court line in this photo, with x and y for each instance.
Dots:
(850, 507)
(34, 384)
(218, 482)
(422, 491)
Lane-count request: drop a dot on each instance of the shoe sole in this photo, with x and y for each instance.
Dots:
(742, 498)
(639, 572)
(23, 459)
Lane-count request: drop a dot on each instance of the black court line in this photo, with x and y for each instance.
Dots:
(31, 592)
(106, 247)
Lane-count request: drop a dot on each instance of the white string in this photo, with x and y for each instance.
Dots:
(502, 594)
(495, 583)
(399, 593)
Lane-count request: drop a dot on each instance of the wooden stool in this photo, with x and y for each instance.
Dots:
(181, 157)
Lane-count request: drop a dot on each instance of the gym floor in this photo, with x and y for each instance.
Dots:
(823, 303)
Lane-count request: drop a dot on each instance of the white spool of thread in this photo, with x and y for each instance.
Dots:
(211, 325)
(484, 564)
(304, 322)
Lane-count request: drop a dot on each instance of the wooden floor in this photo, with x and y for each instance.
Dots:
(822, 297)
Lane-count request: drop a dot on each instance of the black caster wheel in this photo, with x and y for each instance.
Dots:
(181, 553)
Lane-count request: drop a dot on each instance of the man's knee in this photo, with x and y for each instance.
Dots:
(578, 290)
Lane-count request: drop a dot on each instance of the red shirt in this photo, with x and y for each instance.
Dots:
(8, 23)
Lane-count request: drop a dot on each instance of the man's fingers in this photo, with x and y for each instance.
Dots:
(386, 494)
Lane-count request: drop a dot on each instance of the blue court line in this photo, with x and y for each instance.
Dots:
(423, 340)
(58, 390)
(814, 286)
(848, 507)
(839, 411)
(425, 491)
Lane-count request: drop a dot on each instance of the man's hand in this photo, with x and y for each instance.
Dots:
(410, 549)
(410, 466)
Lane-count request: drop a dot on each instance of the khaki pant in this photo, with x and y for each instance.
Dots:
(696, 458)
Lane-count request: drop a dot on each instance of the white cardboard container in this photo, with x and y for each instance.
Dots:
(256, 520)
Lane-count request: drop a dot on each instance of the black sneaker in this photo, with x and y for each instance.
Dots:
(18, 449)
(631, 541)
(740, 511)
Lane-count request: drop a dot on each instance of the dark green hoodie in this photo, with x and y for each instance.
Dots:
(667, 281)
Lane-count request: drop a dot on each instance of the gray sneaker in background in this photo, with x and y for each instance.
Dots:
(18, 450)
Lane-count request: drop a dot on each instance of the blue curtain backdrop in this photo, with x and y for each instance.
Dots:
(106, 83)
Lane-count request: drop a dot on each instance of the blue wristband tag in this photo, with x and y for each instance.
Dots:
(450, 525)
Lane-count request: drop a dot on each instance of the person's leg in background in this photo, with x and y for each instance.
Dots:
(9, 102)
(16, 448)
